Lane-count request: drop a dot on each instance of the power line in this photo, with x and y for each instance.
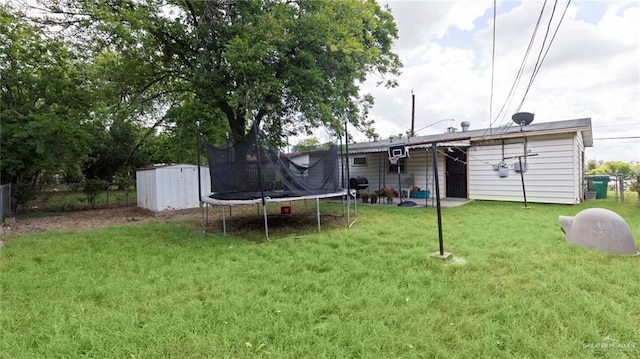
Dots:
(538, 66)
(617, 125)
(540, 53)
(539, 63)
(616, 138)
(520, 70)
(493, 56)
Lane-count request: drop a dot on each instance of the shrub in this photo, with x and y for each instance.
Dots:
(92, 189)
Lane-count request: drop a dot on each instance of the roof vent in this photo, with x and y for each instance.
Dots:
(465, 126)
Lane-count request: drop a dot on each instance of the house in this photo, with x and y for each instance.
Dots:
(486, 164)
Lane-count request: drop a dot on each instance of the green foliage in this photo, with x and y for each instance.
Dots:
(45, 101)
(92, 189)
(386, 191)
(288, 66)
(98, 88)
(592, 165)
(626, 170)
(307, 144)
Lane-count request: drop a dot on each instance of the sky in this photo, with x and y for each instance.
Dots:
(592, 68)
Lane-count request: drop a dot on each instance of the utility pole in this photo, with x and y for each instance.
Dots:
(413, 113)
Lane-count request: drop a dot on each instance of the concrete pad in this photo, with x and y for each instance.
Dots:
(443, 257)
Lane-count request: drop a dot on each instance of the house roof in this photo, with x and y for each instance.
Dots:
(463, 139)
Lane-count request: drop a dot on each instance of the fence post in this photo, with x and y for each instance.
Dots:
(638, 187)
(621, 188)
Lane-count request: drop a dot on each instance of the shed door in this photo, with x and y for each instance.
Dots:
(456, 171)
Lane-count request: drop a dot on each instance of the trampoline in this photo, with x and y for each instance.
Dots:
(260, 174)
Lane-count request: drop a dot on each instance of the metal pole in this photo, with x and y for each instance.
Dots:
(437, 185)
(266, 223)
(348, 179)
(524, 192)
(199, 179)
(621, 188)
(318, 212)
(198, 161)
(399, 181)
(343, 182)
(264, 204)
(379, 170)
(413, 113)
(224, 222)
(426, 175)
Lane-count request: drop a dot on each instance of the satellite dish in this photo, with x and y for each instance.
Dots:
(522, 118)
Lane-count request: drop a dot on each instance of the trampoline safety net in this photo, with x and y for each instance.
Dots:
(238, 172)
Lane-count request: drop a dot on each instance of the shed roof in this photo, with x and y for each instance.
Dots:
(169, 166)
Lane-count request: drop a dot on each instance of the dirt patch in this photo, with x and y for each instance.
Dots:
(244, 220)
(98, 218)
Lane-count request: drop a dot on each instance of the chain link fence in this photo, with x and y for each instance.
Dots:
(91, 194)
(626, 190)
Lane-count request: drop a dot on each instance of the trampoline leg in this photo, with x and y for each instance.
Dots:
(348, 210)
(318, 212)
(202, 224)
(355, 211)
(266, 224)
(224, 222)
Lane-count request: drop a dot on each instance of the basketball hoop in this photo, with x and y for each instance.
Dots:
(394, 159)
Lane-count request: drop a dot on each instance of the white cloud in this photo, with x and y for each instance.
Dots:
(592, 69)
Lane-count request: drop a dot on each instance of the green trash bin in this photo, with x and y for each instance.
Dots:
(599, 184)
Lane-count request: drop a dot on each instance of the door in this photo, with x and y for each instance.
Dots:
(456, 173)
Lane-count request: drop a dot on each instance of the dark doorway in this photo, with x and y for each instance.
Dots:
(456, 173)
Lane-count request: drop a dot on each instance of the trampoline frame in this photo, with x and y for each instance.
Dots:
(346, 200)
(209, 199)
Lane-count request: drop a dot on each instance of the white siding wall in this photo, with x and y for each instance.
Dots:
(377, 170)
(146, 189)
(550, 177)
(579, 158)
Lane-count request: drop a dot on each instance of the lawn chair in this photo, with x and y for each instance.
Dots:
(407, 185)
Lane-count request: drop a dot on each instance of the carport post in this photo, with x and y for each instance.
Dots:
(437, 185)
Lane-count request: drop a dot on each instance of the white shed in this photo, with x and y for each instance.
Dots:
(171, 187)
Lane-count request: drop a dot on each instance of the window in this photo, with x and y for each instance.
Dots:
(359, 161)
(394, 168)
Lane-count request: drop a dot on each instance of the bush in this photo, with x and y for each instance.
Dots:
(92, 189)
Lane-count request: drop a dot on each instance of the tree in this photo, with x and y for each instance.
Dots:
(618, 167)
(44, 105)
(626, 170)
(308, 144)
(592, 165)
(287, 67)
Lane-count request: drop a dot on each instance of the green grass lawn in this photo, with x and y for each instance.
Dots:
(164, 290)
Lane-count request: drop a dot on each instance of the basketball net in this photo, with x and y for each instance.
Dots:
(394, 159)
